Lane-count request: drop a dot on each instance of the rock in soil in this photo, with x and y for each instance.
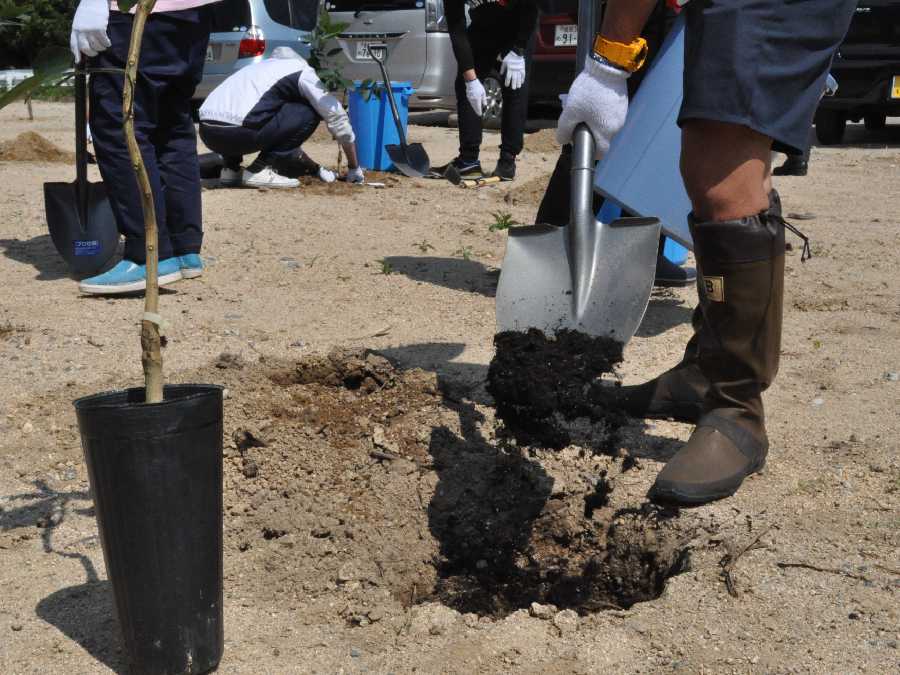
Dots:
(540, 385)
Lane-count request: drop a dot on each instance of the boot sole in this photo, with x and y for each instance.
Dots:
(677, 497)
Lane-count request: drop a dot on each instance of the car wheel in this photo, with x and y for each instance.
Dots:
(830, 125)
(875, 121)
(493, 111)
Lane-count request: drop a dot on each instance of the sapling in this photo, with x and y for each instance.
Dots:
(151, 347)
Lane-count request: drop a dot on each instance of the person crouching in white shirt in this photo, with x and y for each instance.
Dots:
(272, 107)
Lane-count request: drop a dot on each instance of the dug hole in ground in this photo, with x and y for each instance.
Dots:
(379, 519)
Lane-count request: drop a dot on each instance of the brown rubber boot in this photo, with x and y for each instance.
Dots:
(741, 263)
(679, 392)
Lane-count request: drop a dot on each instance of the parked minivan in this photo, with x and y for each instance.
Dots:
(415, 33)
(245, 31)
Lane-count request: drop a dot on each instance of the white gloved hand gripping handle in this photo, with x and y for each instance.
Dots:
(599, 98)
(88, 35)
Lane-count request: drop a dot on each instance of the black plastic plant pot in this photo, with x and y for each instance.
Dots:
(156, 479)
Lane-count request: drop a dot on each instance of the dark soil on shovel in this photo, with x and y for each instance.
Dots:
(540, 385)
(345, 473)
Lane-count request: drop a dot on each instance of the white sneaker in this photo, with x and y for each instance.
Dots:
(326, 175)
(267, 178)
(230, 178)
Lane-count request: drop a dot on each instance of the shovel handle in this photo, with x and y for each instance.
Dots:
(81, 182)
(390, 93)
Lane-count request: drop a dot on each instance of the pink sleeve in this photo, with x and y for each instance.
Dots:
(168, 5)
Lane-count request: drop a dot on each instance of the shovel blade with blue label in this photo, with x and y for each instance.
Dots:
(79, 216)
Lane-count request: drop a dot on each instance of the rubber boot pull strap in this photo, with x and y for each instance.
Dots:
(806, 254)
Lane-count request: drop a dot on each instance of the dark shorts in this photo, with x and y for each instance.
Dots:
(761, 63)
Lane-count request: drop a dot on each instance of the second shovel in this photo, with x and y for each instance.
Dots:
(409, 158)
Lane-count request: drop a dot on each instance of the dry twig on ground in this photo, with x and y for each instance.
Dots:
(730, 560)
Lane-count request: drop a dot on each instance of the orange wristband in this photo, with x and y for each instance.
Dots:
(629, 57)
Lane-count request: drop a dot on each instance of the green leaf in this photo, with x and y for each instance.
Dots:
(126, 5)
(49, 65)
(12, 10)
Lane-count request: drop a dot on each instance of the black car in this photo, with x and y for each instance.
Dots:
(867, 68)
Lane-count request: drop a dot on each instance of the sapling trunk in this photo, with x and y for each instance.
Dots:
(151, 352)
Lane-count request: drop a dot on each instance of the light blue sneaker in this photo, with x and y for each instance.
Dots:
(129, 277)
(191, 265)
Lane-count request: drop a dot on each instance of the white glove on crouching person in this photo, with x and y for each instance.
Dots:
(514, 67)
(356, 176)
(599, 98)
(89, 29)
(476, 95)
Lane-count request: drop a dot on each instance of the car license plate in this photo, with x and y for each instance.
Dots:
(895, 87)
(209, 54)
(362, 50)
(566, 35)
(213, 53)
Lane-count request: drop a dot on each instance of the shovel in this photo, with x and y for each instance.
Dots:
(593, 276)
(79, 215)
(410, 159)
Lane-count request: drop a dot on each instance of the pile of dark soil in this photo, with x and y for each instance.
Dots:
(346, 475)
(540, 385)
(32, 147)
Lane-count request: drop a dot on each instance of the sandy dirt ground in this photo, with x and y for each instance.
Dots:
(374, 520)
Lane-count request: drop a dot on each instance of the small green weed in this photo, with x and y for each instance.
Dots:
(385, 265)
(502, 221)
(464, 252)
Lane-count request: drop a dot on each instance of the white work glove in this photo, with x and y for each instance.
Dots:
(476, 95)
(599, 98)
(326, 175)
(89, 29)
(355, 176)
(514, 67)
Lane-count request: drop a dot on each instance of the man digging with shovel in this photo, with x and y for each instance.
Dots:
(753, 76)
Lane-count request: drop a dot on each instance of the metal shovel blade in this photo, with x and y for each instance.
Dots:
(79, 216)
(536, 288)
(85, 243)
(411, 161)
(590, 276)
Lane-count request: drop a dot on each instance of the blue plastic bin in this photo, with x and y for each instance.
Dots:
(675, 252)
(374, 126)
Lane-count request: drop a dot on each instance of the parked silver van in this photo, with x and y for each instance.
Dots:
(246, 31)
(419, 50)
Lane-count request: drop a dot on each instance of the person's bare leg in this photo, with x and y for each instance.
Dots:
(726, 169)
(739, 246)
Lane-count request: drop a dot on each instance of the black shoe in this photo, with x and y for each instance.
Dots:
(506, 168)
(467, 170)
(459, 170)
(793, 166)
(670, 274)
